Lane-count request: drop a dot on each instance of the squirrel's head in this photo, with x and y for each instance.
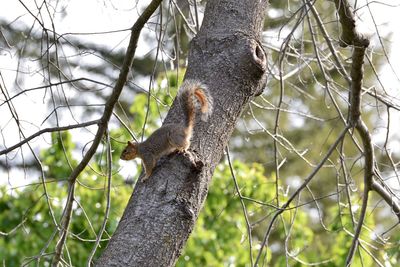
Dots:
(130, 151)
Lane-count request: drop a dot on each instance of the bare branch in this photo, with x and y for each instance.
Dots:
(350, 36)
(53, 84)
(388, 197)
(103, 124)
(14, 229)
(49, 130)
(245, 213)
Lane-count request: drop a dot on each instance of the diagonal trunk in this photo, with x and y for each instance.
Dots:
(227, 56)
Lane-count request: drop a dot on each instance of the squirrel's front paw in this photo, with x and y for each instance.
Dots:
(144, 178)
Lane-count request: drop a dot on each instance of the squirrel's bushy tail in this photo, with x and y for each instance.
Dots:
(195, 88)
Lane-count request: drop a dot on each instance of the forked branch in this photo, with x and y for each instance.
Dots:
(350, 36)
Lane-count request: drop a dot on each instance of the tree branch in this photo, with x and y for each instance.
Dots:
(390, 200)
(53, 84)
(49, 130)
(103, 124)
(350, 36)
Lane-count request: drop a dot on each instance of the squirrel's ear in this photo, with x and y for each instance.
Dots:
(130, 143)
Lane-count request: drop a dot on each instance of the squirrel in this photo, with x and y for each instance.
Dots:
(173, 136)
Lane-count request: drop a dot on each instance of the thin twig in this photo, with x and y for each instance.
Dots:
(246, 216)
(14, 229)
(49, 130)
(108, 205)
(53, 84)
(387, 197)
(302, 186)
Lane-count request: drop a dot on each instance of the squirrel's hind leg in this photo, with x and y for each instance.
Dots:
(180, 141)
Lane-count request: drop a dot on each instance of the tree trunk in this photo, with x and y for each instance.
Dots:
(228, 57)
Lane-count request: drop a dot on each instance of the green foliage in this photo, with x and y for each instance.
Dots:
(220, 237)
(30, 205)
(220, 234)
(28, 208)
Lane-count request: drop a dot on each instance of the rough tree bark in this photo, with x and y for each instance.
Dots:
(226, 55)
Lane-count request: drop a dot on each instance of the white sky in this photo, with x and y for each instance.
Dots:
(90, 16)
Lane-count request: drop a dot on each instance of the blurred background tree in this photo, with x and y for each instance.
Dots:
(279, 140)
